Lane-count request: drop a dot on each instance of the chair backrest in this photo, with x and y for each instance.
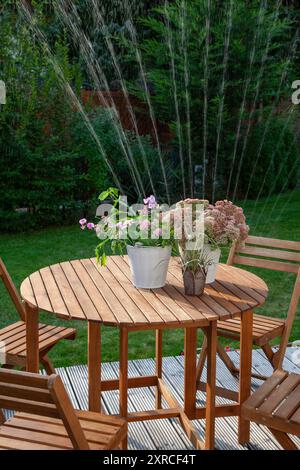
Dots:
(284, 254)
(11, 288)
(41, 395)
(274, 254)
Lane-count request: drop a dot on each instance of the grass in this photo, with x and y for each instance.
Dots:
(25, 253)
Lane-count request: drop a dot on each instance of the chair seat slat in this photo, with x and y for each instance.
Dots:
(265, 390)
(280, 393)
(276, 404)
(290, 406)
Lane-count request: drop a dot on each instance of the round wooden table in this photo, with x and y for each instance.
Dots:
(82, 290)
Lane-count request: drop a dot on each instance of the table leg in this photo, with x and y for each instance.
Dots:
(210, 414)
(94, 366)
(32, 338)
(245, 371)
(123, 383)
(190, 358)
(158, 354)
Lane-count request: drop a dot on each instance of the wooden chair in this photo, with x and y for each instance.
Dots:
(285, 256)
(14, 336)
(46, 420)
(276, 404)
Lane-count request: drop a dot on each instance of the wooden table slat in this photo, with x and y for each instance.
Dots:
(57, 301)
(184, 304)
(80, 292)
(206, 304)
(193, 304)
(165, 313)
(150, 313)
(91, 290)
(256, 282)
(236, 283)
(167, 299)
(231, 297)
(103, 308)
(39, 290)
(121, 291)
(110, 297)
(75, 310)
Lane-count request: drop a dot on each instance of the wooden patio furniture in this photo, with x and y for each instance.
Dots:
(46, 420)
(276, 404)
(267, 253)
(106, 296)
(13, 336)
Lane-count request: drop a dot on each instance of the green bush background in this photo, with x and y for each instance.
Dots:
(49, 161)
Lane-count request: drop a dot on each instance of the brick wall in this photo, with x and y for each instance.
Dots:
(141, 112)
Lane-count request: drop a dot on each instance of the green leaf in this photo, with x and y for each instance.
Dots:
(113, 192)
(104, 195)
(103, 259)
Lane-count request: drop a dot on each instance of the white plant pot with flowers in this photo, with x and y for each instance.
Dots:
(224, 223)
(207, 228)
(149, 265)
(150, 256)
(213, 256)
(195, 260)
(144, 233)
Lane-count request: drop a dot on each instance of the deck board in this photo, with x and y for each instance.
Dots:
(168, 434)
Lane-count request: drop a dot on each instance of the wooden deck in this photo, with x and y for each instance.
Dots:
(168, 434)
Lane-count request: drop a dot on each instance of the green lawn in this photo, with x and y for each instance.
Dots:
(25, 253)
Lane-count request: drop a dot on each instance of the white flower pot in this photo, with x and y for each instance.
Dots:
(214, 256)
(149, 265)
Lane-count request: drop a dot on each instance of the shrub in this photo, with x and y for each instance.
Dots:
(195, 81)
(37, 165)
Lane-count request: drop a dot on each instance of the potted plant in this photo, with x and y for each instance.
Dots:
(143, 232)
(224, 223)
(195, 266)
(189, 216)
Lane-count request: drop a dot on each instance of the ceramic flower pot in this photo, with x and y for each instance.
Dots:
(149, 265)
(214, 259)
(194, 283)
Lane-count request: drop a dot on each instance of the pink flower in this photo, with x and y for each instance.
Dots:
(150, 202)
(82, 222)
(90, 226)
(225, 223)
(144, 225)
(158, 232)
